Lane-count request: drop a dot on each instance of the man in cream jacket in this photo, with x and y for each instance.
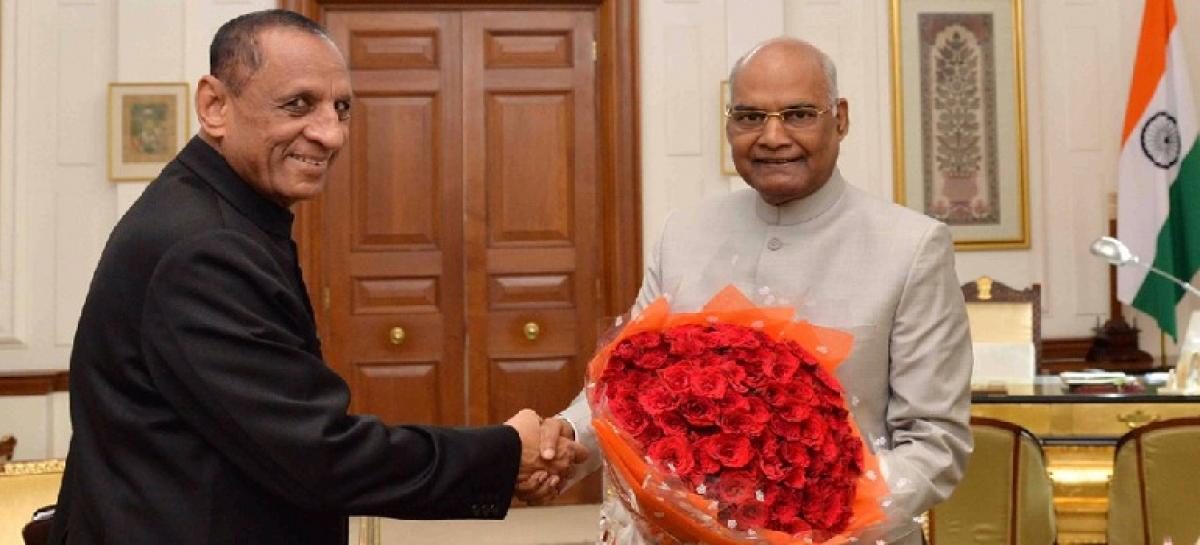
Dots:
(844, 259)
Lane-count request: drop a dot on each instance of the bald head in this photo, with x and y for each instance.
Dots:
(785, 50)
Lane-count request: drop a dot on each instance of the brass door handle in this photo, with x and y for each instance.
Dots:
(397, 335)
(1137, 418)
(531, 330)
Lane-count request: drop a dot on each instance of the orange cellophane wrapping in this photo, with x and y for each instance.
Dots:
(828, 346)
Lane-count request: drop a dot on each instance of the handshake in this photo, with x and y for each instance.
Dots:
(548, 452)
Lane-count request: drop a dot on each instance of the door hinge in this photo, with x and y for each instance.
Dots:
(594, 54)
(325, 298)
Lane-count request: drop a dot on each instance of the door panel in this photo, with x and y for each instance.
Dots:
(529, 141)
(529, 179)
(393, 218)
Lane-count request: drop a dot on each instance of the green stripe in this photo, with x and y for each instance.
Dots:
(1178, 250)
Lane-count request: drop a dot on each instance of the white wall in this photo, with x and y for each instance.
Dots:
(1079, 58)
(57, 205)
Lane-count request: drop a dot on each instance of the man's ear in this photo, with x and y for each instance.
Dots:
(212, 106)
(843, 117)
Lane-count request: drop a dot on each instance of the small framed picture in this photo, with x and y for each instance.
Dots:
(147, 126)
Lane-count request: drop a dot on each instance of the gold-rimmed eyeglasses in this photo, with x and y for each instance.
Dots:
(799, 118)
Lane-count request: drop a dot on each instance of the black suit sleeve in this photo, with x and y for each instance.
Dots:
(224, 338)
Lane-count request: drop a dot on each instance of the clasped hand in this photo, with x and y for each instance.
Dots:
(548, 454)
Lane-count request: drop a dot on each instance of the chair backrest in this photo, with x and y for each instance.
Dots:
(1005, 498)
(1006, 329)
(8, 443)
(24, 488)
(1155, 483)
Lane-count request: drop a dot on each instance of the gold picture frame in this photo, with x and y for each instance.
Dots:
(958, 107)
(148, 123)
(727, 168)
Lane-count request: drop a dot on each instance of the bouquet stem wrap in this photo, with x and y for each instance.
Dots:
(669, 479)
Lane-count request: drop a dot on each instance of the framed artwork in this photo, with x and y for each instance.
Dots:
(147, 126)
(727, 168)
(958, 107)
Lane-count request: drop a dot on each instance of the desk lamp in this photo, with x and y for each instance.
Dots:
(1188, 369)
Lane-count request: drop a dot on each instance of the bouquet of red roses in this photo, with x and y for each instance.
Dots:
(728, 426)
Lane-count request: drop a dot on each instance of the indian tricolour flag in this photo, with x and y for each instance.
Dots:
(1159, 172)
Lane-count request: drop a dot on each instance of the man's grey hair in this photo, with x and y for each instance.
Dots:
(827, 65)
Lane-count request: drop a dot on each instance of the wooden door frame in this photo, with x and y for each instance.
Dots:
(618, 156)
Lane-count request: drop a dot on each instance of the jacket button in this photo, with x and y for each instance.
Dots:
(774, 244)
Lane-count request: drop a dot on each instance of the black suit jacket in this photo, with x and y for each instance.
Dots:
(202, 411)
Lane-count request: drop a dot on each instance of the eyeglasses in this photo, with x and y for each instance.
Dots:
(792, 118)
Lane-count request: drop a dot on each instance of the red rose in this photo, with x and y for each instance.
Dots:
(731, 450)
(740, 422)
(776, 394)
(771, 493)
(671, 423)
(677, 377)
(755, 376)
(803, 391)
(751, 515)
(656, 398)
(646, 339)
(707, 382)
(773, 468)
(685, 340)
(814, 432)
(782, 366)
(806, 358)
(626, 350)
(794, 411)
(786, 510)
(629, 417)
(734, 403)
(829, 451)
(734, 336)
(736, 487)
(675, 453)
(831, 512)
(623, 390)
(795, 454)
(791, 431)
(652, 359)
(759, 410)
(705, 463)
(829, 398)
(699, 411)
(797, 479)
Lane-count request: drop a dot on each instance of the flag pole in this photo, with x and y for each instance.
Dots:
(1162, 349)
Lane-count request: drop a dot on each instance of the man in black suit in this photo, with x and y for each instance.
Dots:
(202, 410)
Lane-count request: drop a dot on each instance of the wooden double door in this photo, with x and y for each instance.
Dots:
(459, 228)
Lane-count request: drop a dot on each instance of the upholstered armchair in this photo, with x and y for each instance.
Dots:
(24, 488)
(1156, 480)
(1005, 498)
